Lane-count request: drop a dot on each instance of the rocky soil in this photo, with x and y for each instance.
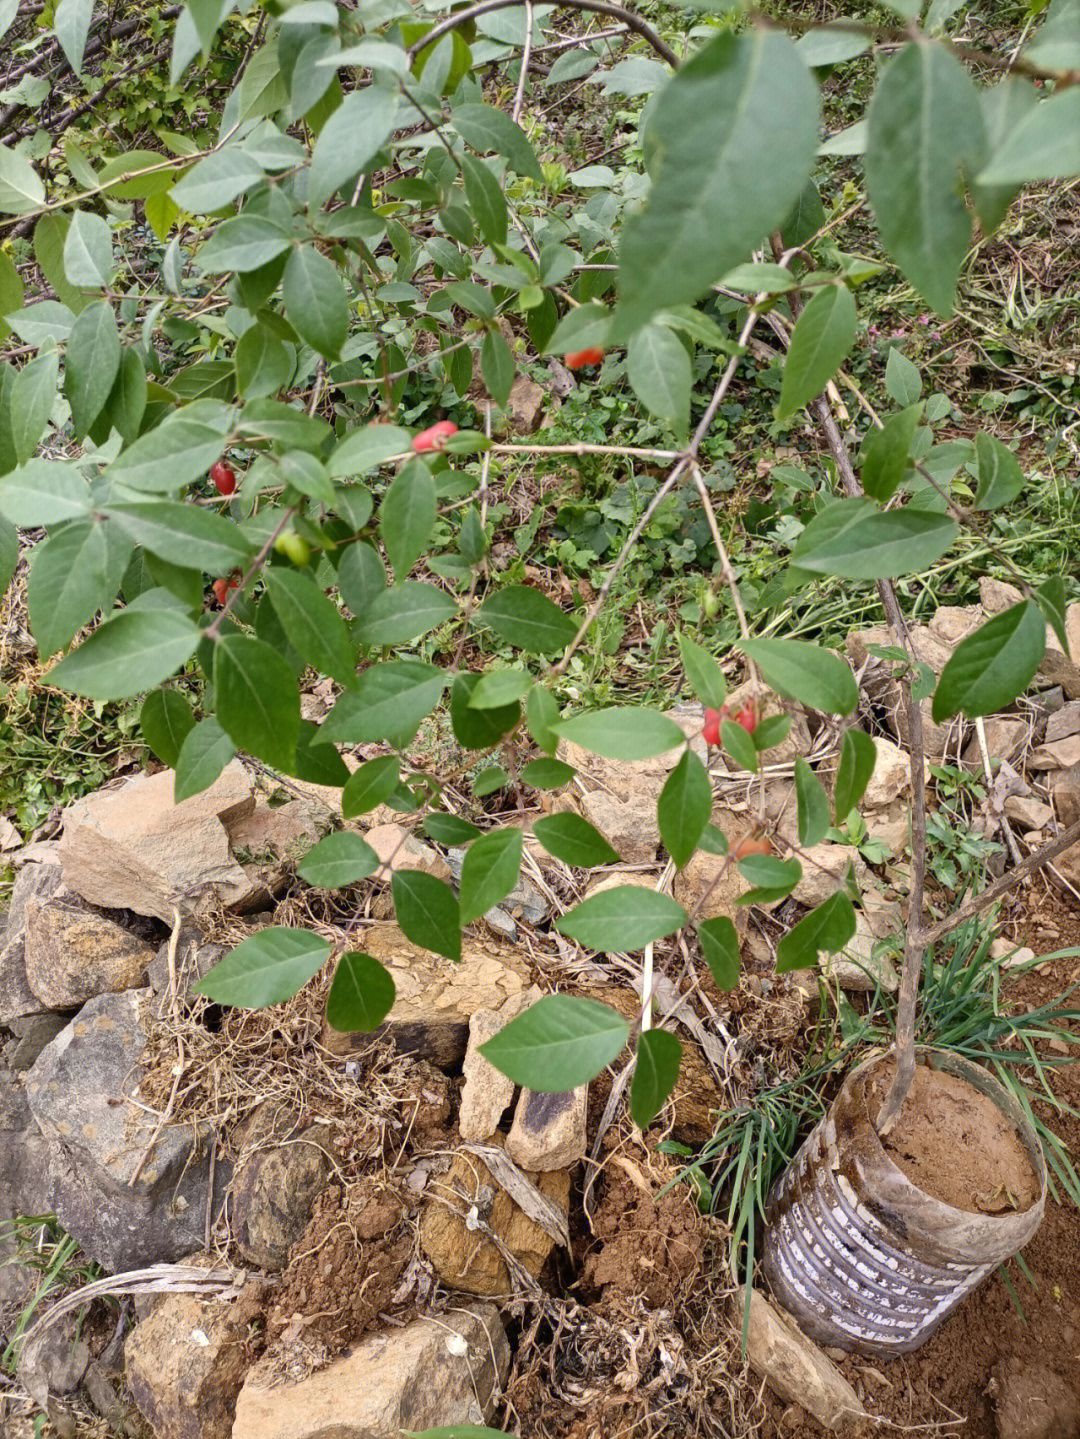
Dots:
(306, 1234)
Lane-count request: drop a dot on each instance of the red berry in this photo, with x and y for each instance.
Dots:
(753, 846)
(711, 731)
(748, 719)
(221, 590)
(435, 437)
(580, 359)
(224, 477)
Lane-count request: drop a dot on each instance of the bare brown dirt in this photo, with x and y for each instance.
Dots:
(956, 1145)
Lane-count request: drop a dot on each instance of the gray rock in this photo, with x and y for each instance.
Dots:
(486, 1093)
(1065, 722)
(23, 1154)
(35, 1032)
(73, 953)
(524, 901)
(432, 1373)
(128, 1201)
(53, 1361)
(548, 1131)
(276, 1186)
(17, 999)
(795, 1368)
(857, 968)
(194, 958)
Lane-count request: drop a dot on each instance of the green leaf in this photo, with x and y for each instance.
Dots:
(370, 785)
(1005, 107)
(316, 761)
(73, 573)
(407, 516)
(854, 540)
(831, 45)
(427, 912)
(547, 773)
(403, 613)
(9, 552)
(185, 535)
(88, 251)
(806, 672)
(256, 699)
(820, 341)
(478, 728)
(527, 619)
(924, 131)
(448, 829)
(489, 780)
(389, 702)
(11, 292)
(993, 666)
(558, 1043)
(20, 189)
(813, 805)
(1000, 477)
(181, 449)
(858, 755)
(902, 379)
(622, 732)
(71, 21)
(541, 716)
(658, 1056)
(91, 364)
(267, 968)
(486, 199)
(713, 840)
(217, 181)
(129, 654)
(361, 995)
(490, 871)
(886, 451)
(770, 732)
(243, 244)
(205, 752)
(1045, 145)
(264, 363)
(582, 328)
(1050, 597)
(754, 278)
(364, 450)
(126, 404)
(339, 859)
(720, 946)
(312, 623)
(684, 807)
(38, 323)
(658, 368)
(573, 840)
(739, 745)
(498, 687)
(485, 128)
(704, 675)
(497, 367)
(315, 301)
(351, 138)
(734, 133)
(827, 928)
(626, 918)
(33, 394)
(166, 721)
(361, 577)
(765, 871)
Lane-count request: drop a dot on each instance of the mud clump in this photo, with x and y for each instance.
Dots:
(649, 1248)
(956, 1144)
(343, 1270)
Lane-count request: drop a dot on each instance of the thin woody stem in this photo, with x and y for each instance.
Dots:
(600, 7)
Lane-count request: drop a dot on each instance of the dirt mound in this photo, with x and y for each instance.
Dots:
(648, 1248)
(955, 1144)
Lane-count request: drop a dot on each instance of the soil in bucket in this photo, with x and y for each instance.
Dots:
(955, 1144)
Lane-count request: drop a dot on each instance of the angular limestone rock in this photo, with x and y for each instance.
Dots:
(856, 968)
(548, 1131)
(795, 1368)
(436, 998)
(185, 1364)
(486, 1093)
(130, 1193)
(710, 880)
(466, 1195)
(431, 1374)
(132, 847)
(17, 1000)
(73, 953)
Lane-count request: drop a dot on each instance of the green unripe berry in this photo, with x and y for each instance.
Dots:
(294, 547)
